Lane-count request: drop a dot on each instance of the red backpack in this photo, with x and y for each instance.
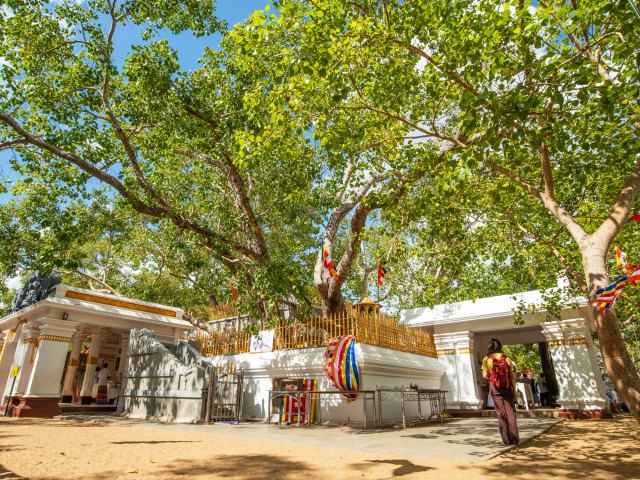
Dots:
(500, 372)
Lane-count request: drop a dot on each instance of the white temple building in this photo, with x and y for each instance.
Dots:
(41, 345)
(462, 331)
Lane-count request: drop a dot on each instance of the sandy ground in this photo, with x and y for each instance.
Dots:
(54, 449)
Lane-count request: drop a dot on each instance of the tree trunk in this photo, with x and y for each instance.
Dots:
(548, 370)
(617, 361)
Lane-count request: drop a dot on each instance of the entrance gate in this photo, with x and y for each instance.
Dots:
(224, 396)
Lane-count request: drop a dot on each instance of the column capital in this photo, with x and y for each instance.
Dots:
(55, 329)
(30, 333)
(461, 341)
(561, 331)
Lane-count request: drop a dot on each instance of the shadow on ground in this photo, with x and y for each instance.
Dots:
(8, 474)
(235, 466)
(404, 467)
(555, 455)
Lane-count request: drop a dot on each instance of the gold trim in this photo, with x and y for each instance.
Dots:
(108, 357)
(73, 362)
(440, 353)
(92, 361)
(572, 341)
(32, 340)
(120, 303)
(54, 338)
(465, 350)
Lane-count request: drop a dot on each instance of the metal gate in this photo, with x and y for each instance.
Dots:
(224, 397)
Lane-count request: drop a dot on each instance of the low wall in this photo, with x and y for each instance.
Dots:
(158, 385)
(378, 366)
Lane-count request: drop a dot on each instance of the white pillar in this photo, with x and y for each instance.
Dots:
(576, 366)
(30, 349)
(457, 356)
(42, 394)
(12, 340)
(72, 369)
(90, 371)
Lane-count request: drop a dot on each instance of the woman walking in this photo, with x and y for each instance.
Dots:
(499, 370)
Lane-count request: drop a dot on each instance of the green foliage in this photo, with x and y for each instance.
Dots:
(525, 356)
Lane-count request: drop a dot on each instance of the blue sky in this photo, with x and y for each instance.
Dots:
(189, 48)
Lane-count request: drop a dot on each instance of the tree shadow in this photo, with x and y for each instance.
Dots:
(8, 474)
(559, 453)
(257, 466)
(405, 467)
(155, 442)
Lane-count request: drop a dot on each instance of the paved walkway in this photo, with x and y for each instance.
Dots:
(461, 440)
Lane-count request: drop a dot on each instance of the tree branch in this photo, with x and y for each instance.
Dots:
(577, 276)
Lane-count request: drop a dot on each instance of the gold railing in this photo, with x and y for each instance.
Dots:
(374, 329)
(225, 310)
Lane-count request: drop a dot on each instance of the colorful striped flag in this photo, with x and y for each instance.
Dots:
(381, 273)
(289, 407)
(234, 290)
(328, 262)
(607, 297)
(621, 258)
(634, 276)
(341, 364)
(635, 217)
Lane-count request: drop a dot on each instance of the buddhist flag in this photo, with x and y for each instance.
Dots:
(621, 258)
(635, 217)
(234, 289)
(328, 262)
(381, 273)
(341, 365)
(607, 297)
(634, 276)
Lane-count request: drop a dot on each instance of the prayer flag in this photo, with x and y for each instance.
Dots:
(234, 289)
(328, 262)
(634, 276)
(607, 297)
(621, 258)
(381, 273)
(634, 217)
(290, 407)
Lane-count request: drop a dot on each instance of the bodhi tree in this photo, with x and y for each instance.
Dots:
(176, 147)
(538, 100)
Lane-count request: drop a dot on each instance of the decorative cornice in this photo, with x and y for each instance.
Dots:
(450, 351)
(54, 338)
(73, 362)
(120, 303)
(31, 341)
(466, 351)
(92, 361)
(571, 341)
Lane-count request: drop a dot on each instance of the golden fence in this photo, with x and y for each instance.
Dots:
(375, 329)
(225, 310)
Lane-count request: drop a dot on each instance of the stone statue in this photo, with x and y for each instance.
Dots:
(38, 287)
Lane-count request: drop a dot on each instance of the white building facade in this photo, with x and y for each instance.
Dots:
(37, 341)
(462, 332)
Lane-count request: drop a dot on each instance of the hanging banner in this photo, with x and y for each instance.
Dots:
(341, 364)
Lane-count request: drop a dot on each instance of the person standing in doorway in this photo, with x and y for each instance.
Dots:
(103, 377)
(543, 388)
(500, 372)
